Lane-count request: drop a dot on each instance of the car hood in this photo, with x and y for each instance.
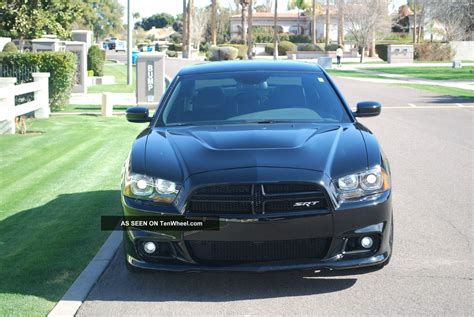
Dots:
(179, 152)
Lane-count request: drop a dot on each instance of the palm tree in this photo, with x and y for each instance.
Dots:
(243, 6)
(300, 5)
(314, 30)
(327, 23)
(213, 22)
(185, 28)
(249, 31)
(340, 26)
(189, 27)
(275, 32)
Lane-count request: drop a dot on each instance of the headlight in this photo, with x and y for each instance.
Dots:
(360, 185)
(149, 188)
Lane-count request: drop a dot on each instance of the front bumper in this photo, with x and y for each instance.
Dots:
(373, 218)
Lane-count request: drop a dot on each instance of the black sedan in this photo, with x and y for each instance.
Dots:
(272, 158)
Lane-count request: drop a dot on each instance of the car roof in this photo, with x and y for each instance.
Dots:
(235, 66)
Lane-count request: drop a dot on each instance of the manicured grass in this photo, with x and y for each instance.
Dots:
(351, 73)
(119, 71)
(448, 91)
(55, 184)
(435, 73)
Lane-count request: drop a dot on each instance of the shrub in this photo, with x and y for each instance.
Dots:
(175, 47)
(433, 52)
(10, 47)
(299, 38)
(309, 47)
(60, 65)
(171, 53)
(225, 53)
(236, 40)
(90, 73)
(242, 49)
(331, 47)
(96, 60)
(382, 51)
(204, 47)
(283, 47)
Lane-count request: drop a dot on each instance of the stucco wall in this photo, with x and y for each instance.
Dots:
(464, 50)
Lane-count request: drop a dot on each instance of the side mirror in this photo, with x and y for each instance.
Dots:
(368, 109)
(138, 114)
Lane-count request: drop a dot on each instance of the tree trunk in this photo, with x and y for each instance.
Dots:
(414, 21)
(249, 31)
(362, 53)
(244, 23)
(213, 23)
(314, 29)
(189, 28)
(420, 23)
(372, 45)
(185, 26)
(275, 32)
(340, 26)
(328, 18)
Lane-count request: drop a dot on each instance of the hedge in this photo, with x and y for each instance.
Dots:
(433, 52)
(309, 47)
(283, 47)
(225, 53)
(60, 65)
(241, 49)
(10, 47)
(331, 47)
(382, 51)
(299, 38)
(96, 60)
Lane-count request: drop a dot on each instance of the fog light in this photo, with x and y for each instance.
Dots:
(149, 247)
(366, 242)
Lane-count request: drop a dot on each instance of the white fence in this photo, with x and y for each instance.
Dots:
(8, 91)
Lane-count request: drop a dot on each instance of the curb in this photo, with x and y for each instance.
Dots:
(77, 293)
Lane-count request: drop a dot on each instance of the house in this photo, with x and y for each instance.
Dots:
(288, 22)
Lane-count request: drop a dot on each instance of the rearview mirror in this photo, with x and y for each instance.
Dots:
(368, 109)
(138, 114)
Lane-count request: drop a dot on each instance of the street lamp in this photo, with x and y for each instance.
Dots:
(129, 44)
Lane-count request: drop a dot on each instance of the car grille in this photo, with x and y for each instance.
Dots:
(248, 199)
(250, 251)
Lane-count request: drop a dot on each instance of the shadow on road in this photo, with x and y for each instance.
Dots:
(117, 284)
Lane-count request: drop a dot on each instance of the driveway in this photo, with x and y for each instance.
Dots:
(429, 140)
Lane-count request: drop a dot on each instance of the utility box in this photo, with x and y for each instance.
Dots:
(150, 78)
(400, 54)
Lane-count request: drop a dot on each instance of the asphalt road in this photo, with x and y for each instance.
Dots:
(430, 146)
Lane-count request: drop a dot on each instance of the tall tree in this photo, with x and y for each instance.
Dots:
(414, 21)
(159, 20)
(340, 25)
(250, 31)
(32, 19)
(328, 22)
(189, 28)
(275, 32)
(102, 17)
(363, 18)
(185, 29)
(213, 22)
(314, 29)
(243, 16)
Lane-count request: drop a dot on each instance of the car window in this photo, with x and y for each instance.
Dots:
(227, 98)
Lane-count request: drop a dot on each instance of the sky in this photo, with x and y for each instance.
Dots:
(147, 8)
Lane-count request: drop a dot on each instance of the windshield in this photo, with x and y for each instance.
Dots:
(228, 98)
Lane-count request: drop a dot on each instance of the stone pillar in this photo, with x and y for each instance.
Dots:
(42, 95)
(80, 49)
(84, 36)
(46, 44)
(107, 104)
(150, 78)
(7, 105)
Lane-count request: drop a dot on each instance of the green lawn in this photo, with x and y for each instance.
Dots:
(448, 91)
(56, 182)
(435, 73)
(119, 71)
(352, 73)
